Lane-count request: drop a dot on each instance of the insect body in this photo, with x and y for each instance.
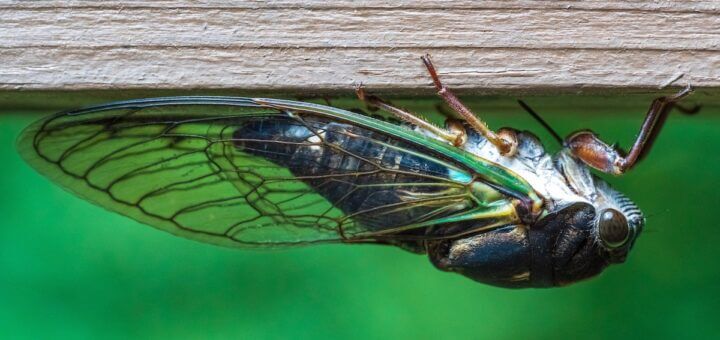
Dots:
(250, 172)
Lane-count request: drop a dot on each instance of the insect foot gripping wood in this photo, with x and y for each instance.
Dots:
(261, 173)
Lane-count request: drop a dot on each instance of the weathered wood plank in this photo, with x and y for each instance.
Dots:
(327, 69)
(371, 28)
(667, 6)
(480, 47)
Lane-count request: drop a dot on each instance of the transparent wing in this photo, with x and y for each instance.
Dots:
(251, 172)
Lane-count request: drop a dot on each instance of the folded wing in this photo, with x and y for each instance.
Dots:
(252, 172)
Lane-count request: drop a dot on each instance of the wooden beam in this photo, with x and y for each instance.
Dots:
(316, 46)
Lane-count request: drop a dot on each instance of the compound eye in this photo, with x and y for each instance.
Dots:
(613, 228)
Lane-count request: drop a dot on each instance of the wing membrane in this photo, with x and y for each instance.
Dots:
(254, 172)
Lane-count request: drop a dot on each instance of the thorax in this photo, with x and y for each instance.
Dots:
(534, 165)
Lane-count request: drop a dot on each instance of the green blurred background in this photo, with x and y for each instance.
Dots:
(69, 269)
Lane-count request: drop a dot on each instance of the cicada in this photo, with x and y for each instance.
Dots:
(250, 172)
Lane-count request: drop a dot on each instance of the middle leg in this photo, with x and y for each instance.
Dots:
(505, 140)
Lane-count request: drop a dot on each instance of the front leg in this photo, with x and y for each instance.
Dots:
(586, 145)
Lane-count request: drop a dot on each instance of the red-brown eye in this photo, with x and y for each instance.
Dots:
(613, 228)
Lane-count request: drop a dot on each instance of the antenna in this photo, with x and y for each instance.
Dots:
(541, 121)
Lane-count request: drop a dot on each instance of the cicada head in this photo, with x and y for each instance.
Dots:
(586, 226)
(598, 230)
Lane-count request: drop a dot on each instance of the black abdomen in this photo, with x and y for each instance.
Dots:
(377, 179)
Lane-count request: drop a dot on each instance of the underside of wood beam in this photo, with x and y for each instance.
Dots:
(497, 47)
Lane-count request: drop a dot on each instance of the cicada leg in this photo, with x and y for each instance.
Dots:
(586, 145)
(455, 134)
(504, 140)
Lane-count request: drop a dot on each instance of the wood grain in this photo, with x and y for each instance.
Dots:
(300, 46)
